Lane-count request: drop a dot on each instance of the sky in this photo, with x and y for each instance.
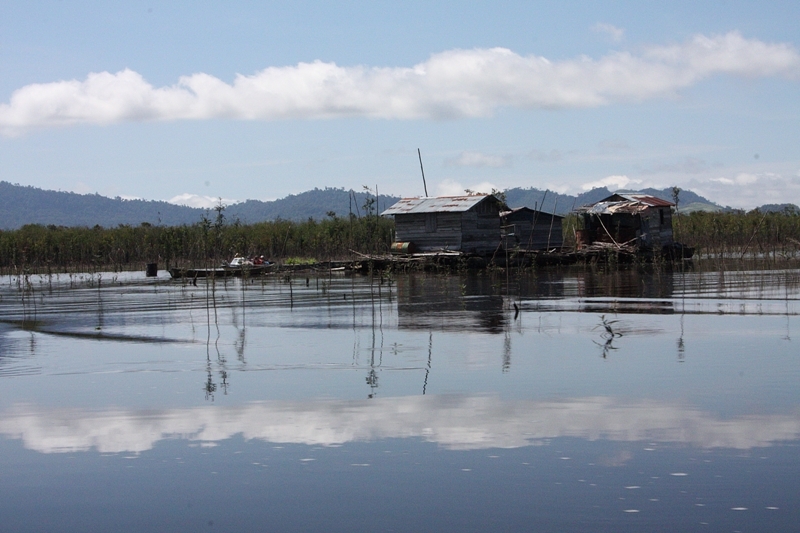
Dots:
(191, 102)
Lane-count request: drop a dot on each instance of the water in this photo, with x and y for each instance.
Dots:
(560, 401)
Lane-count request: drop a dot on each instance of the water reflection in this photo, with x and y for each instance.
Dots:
(432, 301)
(454, 422)
(322, 389)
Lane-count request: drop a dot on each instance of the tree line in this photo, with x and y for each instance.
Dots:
(39, 248)
(207, 243)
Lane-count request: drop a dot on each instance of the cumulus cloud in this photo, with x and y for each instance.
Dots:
(478, 159)
(611, 182)
(196, 200)
(452, 422)
(616, 34)
(749, 189)
(450, 84)
(449, 187)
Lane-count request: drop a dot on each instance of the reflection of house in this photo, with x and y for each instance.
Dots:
(469, 224)
(528, 229)
(631, 219)
(450, 303)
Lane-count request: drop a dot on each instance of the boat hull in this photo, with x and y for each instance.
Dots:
(224, 272)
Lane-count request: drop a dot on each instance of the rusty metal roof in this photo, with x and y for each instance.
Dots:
(452, 204)
(630, 203)
(646, 199)
(515, 210)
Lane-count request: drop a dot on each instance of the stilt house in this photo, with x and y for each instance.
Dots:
(631, 219)
(527, 229)
(468, 224)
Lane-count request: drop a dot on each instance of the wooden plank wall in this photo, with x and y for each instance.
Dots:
(539, 240)
(412, 228)
(480, 232)
(658, 234)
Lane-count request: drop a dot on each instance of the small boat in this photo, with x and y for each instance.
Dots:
(237, 267)
(224, 272)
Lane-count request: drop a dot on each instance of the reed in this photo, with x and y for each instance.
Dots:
(767, 236)
(37, 248)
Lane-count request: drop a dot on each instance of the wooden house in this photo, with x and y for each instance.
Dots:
(469, 224)
(631, 219)
(527, 229)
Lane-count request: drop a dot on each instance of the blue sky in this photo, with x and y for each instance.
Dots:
(192, 101)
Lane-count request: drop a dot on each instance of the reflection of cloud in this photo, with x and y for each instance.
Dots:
(450, 84)
(611, 182)
(453, 422)
(478, 159)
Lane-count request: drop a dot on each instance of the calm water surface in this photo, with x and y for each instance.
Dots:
(555, 401)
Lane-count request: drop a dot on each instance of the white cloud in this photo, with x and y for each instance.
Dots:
(478, 159)
(546, 157)
(747, 190)
(195, 200)
(450, 84)
(449, 187)
(612, 182)
(453, 422)
(616, 34)
(689, 165)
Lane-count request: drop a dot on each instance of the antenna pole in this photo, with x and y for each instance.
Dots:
(423, 172)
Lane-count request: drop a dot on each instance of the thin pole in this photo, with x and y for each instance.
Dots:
(552, 219)
(423, 172)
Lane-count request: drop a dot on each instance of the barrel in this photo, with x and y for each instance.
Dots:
(402, 248)
(151, 270)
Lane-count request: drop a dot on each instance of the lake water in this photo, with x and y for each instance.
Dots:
(568, 400)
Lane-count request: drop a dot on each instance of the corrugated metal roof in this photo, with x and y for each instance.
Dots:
(647, 199)
(452, 204)
(515, 210)
(624, 203)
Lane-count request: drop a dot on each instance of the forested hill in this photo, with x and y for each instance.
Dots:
(564, 203)
(20, 205)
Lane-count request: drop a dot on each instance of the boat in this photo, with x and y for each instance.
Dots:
(237, 267)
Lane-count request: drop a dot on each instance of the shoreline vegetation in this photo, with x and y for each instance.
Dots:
(770, 238)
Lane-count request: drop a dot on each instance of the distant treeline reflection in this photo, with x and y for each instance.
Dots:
(767, 235)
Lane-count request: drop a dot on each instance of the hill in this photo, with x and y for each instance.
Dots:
(315, 204)
(564, 203)
(21, 205)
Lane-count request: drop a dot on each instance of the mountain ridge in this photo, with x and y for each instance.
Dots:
(24, 204)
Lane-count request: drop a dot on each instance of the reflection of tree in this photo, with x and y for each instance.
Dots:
(210, 387)
(372, 375)
(607, 346)
(428, 368)
(240, 340)
(507, 351)
(608, 334)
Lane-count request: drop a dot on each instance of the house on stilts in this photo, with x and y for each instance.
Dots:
(529, 230)
(633, 220)
(469, 224)
(474, 224)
